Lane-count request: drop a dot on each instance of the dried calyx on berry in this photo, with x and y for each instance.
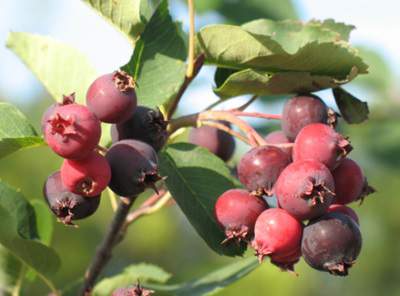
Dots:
(137, 290)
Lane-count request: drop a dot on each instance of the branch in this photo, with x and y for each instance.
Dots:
(103, 253)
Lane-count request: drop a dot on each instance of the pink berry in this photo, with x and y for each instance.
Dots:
(87, 177)
(112, 97)
(71, 130)
(279, 137)
(287, 261)
(260, 167)
(322, 143)
(276, 233)
(236, 211)
(344, 210)
(350, 182)
(305, 189)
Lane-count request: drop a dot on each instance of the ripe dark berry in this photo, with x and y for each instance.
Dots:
(236, 211)
(137, 290)
(66, 205)
(71, 130)
(322, 143)
(112, 97)
(305, 189)
(331, 243)
(301, 111)
(344, 210)
(276, 233)
(279, 137)
(87, 177)
(216, 141)
(260, 168)
(146, 125)
(350, 182)
(134, 167)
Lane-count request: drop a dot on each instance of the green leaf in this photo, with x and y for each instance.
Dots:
(195, 178)
(15, 131)
(352, 109)
(44, 221)
(128, 16)
(61, 68)
(158, 62)
(130, 276)
(10, 269)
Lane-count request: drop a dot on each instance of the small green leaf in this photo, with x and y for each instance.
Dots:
(352, 109)
(61, 68)
(196, 178)
(158, 62)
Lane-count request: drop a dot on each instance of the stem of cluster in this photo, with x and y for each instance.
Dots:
(190, 68)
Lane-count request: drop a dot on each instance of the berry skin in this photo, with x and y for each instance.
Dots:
(260, 168)
(236, 211)
(276, 233)
(305, 189)
(137, 290)
(350, 182)
(322, 143)
(279, 137)
(87, 177)
(66, 205)
(344, 210)
(70, 129)
(286, 262)
(301, 111)
(134, 167)
(215, 140)
(112, 97)
(146, 125)
(331, 243)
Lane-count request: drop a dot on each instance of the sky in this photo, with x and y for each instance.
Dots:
(377, 25)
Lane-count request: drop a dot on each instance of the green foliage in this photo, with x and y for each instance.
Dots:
(44, 221)
(196, 178)
(352, 109)
(10, 269)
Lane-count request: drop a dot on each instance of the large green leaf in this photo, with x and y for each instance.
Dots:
(44, 221)
(128, 16)
(61, 68)
(158, 62)
(15, 131)
(195, 178)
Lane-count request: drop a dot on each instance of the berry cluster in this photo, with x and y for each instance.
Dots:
(306, 169)
(73, 132)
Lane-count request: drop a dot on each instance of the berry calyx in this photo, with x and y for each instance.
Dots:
(112, 97)
(344, 210)
(236, 211)
(259, 168)
(87, 177)
(322, 143)
(305, 189)
(279, 137)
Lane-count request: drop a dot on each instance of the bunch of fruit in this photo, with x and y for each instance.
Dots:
(73, 132)
(306, 169)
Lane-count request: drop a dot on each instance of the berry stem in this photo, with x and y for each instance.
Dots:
(113, 199)
(103, 253)
(256, 114)
(190, 68)
(227, 130)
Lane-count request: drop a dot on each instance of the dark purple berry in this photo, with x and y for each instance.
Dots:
(331, 243)
(259, 168)
(146, 125)
(112, 97)
(66, 205)
(134, 167)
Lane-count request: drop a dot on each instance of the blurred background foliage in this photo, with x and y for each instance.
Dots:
(166, 239)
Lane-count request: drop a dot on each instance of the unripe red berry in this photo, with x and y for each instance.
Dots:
(350, 182)
(305, 189)
(344, 210)
(279, 137)
(71, 130)
(276, 233)
(87, 177)
(236, 211)
(322, 143)
(260, 168)
(287, 261)
(112, 97)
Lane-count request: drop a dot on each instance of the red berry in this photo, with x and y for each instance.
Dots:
(87, 177)
(344, 210)
(112, 97)
(276, 233)
(71, 130)
(322, 143)
(305, 189)
(279, 137)
(350, 183)
(236, 212)
(260, 168)
(287, 261)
